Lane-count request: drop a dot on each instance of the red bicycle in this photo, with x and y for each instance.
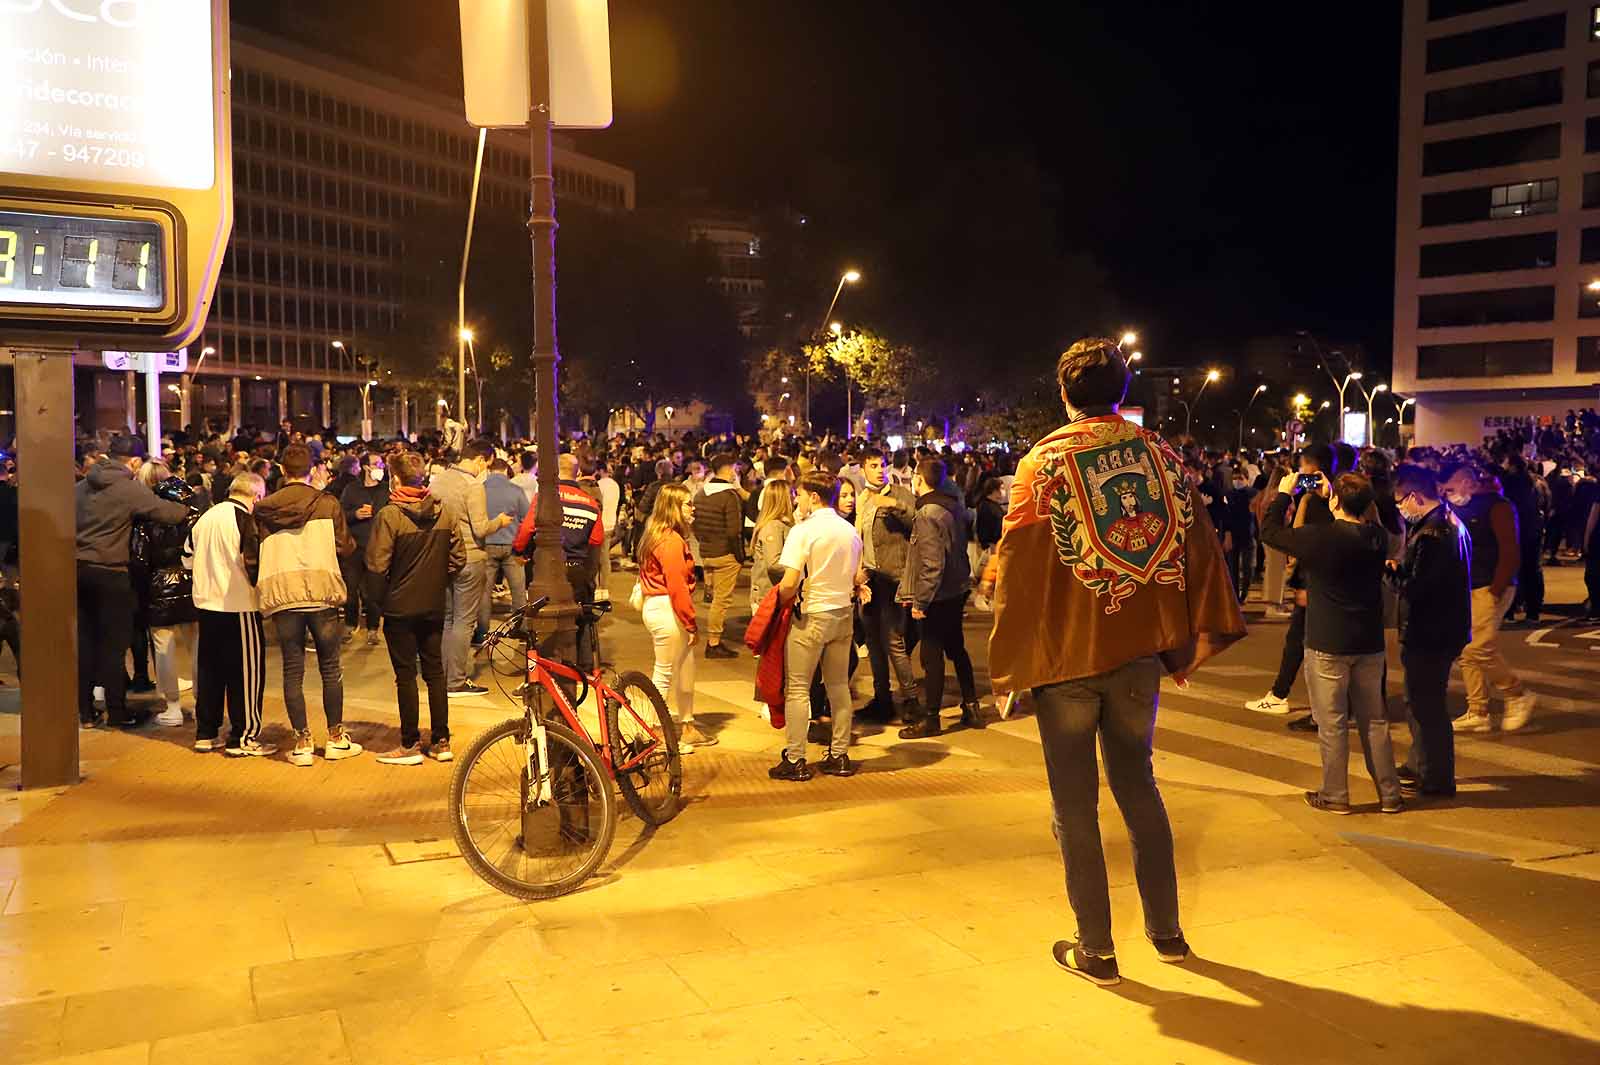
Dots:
(531, 802)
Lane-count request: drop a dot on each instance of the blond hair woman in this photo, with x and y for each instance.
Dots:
(666, 580)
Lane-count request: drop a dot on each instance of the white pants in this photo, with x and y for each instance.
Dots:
(674, 670)
(164, 649)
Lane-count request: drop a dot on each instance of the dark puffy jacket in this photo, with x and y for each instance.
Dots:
(414, 551)
(936, 559)
(719, 520)
(156, 555)
(1435, 584)
(108, 500)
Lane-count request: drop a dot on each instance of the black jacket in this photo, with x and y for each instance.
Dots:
(1435, 583)
(719, 520)
(1343, 563)
(156, 556)
(936, 559)
(355, 494)
(108, 500)
(415, 550)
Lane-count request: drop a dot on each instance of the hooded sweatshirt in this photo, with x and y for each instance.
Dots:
(415, 550)
(108, 500)
(303, 534)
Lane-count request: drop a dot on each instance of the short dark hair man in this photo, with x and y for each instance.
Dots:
(1088, 620)
(719, 528)
(885, 512)
(1435, 585)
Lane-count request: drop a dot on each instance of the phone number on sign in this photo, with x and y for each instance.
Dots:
(99, 155)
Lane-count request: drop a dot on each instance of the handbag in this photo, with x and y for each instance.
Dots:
(636, 597)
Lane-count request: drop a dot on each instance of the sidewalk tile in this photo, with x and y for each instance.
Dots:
(61, 928)
(567, 1002)
(30, 1031)
(149, 1012)
(129, 1054)
(305, 985)
(865, 957)
(309, 1039)
(448, 1022)
(635, 936)
(777, 1033)
(830, 912)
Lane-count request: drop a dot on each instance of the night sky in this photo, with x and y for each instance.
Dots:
(1230, 166)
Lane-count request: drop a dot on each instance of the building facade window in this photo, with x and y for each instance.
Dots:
(1505, 148)
(1497, 306)
(1494, 43)
(1458, 206)
(1589, 354)
(1527, 251)
(1489, 358)
(1503, 95)
(1438, 9)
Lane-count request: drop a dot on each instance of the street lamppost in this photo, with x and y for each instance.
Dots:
(467, 336)
(1253, 396)
(463, 334)
(366, 409)
(1371, 435)
(1188, 407)
(849, 277)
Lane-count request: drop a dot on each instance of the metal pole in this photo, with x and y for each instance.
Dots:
(549, 567)
(152, 412)
(46, 510)
(461, 288)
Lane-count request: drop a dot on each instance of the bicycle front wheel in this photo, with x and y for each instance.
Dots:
(644, 749)
(522, 847)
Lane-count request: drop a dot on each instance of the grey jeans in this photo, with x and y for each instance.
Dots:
(460, 617)
(1118, 707)
(325, 627)
(502, 561)
(821, 636)
(1341, 686)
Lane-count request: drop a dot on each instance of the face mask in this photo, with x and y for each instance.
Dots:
(377, 473)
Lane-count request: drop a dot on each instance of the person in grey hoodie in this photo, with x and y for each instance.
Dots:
(109, 499)
(462, 486)
(935, 585)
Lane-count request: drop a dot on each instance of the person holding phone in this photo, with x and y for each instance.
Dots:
(361, 499)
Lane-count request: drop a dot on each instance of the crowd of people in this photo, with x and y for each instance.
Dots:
(1106, 556)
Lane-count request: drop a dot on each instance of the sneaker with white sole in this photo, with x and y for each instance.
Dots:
(1473, 721)
(340, 745)
(206, 745)
(304, 751)
(691, 734)
(439, 750)
(250, 749)
(402, 755)
(1518, 710)
(171, 717)
(1269, 704)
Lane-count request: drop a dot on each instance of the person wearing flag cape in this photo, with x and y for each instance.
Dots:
(1107, 575)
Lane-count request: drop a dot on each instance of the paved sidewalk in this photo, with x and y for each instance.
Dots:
(178, 907)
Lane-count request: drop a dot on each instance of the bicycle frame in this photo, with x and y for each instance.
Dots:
(543, 673)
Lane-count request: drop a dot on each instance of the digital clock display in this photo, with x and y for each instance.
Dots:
(80, 261)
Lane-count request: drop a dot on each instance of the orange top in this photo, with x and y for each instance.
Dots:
(669, 570)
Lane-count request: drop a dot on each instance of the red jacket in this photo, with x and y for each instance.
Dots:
(767, 635)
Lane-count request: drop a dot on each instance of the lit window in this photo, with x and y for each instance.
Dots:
(1594, 23)
(1523, 198)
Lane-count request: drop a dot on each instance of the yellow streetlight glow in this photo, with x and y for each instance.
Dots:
(1212, 375)
(835, 328)
(1356, 376)
(1594, 286)
(1301, 399)
(1381, 388)
(852, 276)
(1129, 338)
(1136, 356)
(208, 351)
(467, 335)
(339, 344)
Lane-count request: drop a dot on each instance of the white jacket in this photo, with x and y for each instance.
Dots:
(218, 543)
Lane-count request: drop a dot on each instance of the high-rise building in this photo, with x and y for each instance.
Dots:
(1497, 261)
(330, 162)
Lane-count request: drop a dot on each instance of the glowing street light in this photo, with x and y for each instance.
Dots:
(1136, 356)
(1301, 400)
(849, 277)
(1129, 339)
(1259, 389)
(1188, 407)
(836, 328)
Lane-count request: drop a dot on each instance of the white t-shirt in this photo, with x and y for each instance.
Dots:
(827, 550)
(610, 497)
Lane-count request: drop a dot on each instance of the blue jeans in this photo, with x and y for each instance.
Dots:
(1118, 707)
(461, 601)
(326, 628)
(1342, 686)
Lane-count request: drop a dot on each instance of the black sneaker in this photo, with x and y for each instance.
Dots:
(1396, 806)
(1101, 972)
(466, 689)
(1302, 724)
(1173, 951)
(1408, 775)
(787, 770)
(134, 719)
(97, 721)
(720, 650)
(1317, 802)
(972, 714)
(141, 686)
(923, 729)
(838, 765)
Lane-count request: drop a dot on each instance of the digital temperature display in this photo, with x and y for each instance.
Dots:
(69, 260)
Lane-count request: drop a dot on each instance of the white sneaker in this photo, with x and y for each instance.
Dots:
(1518, 710)
(185, 685)
(99, 696)
(1269, 704)
(340, 745)
(304, 751)
(1473, 721)
(171, 717)
(1278, 613)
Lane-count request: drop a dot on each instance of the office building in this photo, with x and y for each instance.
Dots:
(1497, 263)
(330, 161)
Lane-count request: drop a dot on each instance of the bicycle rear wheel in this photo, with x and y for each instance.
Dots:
(522, 848)
(644, 749)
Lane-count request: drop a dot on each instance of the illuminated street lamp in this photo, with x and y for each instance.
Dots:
(468, 336)
(1129, 339)
(1253, 396)
(1188, 408)
(1136, 356)
(849, 277)
(1370, 397)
